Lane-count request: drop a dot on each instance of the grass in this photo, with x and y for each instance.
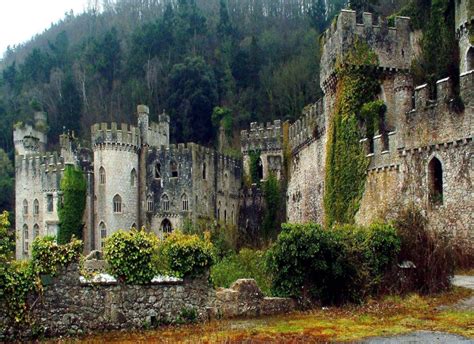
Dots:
(389, 316)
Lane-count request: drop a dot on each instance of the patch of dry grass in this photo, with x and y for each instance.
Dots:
(391, 315)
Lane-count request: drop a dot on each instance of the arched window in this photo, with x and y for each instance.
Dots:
(232, 220)
(25, 207)
(470, 59)
(103, 234)
(157, 170)
(204, 171)
(133, 178)
(117, 204)
(184, 202)
(174, 169)
(259, 169)
(435, 176)
(49, 203)
(150, 204)
(166, 226)
(102, 176)
(165, 203)
(26, 239)
(219, 211)
(225, 215)
(36, 207)
(36, 231)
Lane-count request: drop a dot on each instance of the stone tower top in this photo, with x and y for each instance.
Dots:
(31, 140)
(465, 34)
(391, 44)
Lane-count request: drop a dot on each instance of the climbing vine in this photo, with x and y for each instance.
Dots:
(71, 208)
(253, 164)
(346, 162)
(271, 192)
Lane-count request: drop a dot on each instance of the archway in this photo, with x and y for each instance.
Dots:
(166, 226)
(259, 169)
(470, 59)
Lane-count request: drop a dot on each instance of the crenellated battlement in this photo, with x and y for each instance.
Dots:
(262, 138)
(112, 133)
(223, 161)
(48, 163)
(391, 44)
(309, 127)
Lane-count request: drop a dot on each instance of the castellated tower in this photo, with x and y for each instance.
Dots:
(116, 152)
(465, 33)
(29, 139)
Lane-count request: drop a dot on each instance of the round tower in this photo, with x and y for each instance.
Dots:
(116, 183)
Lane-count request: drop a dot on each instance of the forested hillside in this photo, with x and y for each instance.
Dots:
(255, 59)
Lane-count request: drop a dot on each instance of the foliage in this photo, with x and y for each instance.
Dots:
(331, 266)
(7, 240)
(187, 255)
(431, 252)
(19, 279)
(131, 255)
(222, 116)
(246, 264)
(47, 255)
(346, 161)
(71, 208)
(273, 203)
(254, 158)
(6, 181)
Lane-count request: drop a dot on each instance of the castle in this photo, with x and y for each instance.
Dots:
(135, 178)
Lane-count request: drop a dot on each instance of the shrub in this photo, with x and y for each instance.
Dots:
(187, 255)
(47, 255)
(431, 252)
(247, 264)
(331, 266)
(130, 255)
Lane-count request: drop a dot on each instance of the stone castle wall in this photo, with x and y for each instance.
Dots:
(69, 306)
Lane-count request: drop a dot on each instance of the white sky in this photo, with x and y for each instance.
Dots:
(22, 19)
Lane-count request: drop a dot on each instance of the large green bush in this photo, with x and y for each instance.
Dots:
(331, 266)
(247, 264)
(187, 255)
(130, 255)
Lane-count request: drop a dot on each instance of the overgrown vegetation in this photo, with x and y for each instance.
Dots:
(430, 252)
(331, 266)
(72, 204)
(273, 208)
(346, 161)
(247, 263)
(20, 278)
(187, 255)
(130, 256)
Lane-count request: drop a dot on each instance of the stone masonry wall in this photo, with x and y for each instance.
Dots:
(68, 306)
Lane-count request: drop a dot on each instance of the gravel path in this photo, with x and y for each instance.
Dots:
(429, 337)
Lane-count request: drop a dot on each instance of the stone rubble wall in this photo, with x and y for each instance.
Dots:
(69, 307)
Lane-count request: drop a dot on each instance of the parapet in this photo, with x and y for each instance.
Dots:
(105, 133)
(29, 140)
(391, 44)
(262, 138)
(309, 127)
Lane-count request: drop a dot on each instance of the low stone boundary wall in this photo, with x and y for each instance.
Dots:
(68, 306)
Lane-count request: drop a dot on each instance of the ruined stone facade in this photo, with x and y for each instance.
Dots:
(135, 178)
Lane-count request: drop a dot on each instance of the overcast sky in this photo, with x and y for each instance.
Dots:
(22, 19)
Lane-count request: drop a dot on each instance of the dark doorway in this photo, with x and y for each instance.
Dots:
(435, 175)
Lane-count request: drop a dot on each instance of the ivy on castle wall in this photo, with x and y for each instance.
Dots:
(346, 161)
(273, 202)
(254, 157)
(71, 208)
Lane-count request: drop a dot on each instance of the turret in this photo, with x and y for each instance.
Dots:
(465, 32)
(31, 140)
(143, 122)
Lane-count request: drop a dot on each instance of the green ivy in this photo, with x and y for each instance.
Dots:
(254, 157)
(71, 207)
(131, 255)
(20, 278)
(271, 192)
(346, 162)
